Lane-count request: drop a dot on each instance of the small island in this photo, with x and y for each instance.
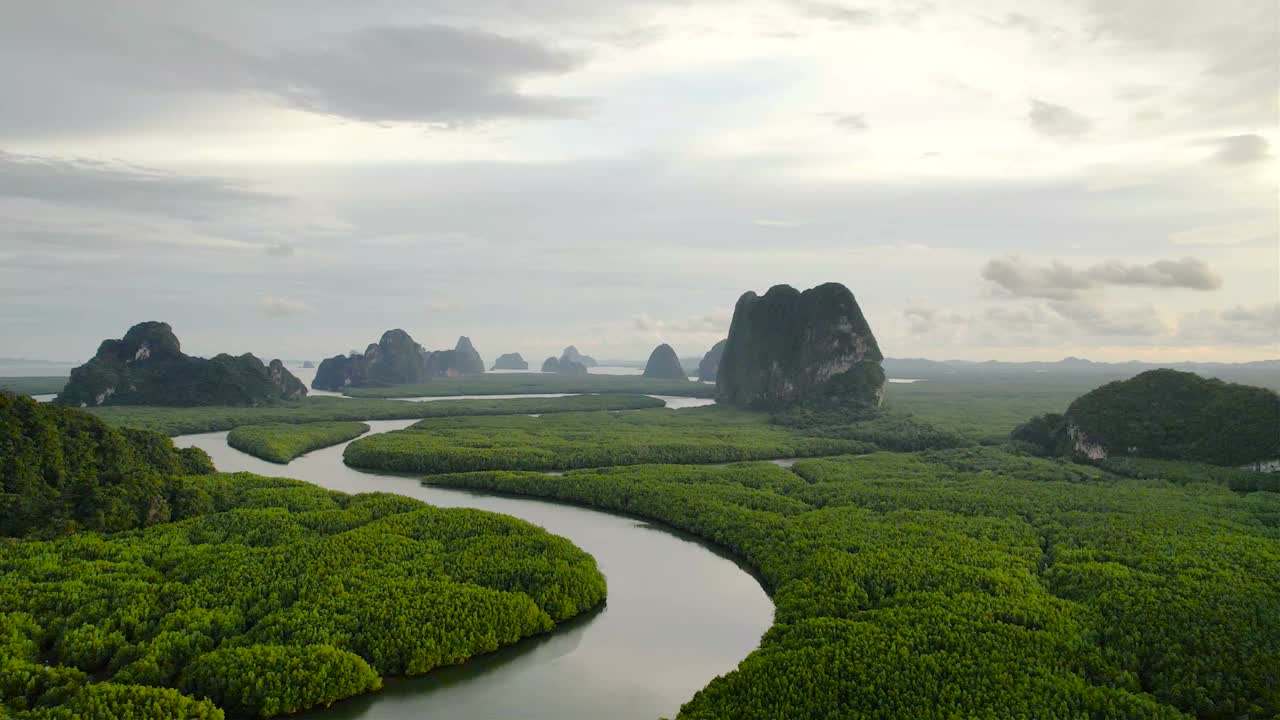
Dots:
(510, 361)
(664, 364)
(147, 367)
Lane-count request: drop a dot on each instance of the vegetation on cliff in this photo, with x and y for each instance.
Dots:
(282, 442)
(63, 470)
(663, 364)
(396, 359)
(1164, 414)
(808, 348)
(147, 367)
(510, 361)
(709, 366)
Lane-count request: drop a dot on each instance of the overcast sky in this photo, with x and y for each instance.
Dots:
(1011, 180)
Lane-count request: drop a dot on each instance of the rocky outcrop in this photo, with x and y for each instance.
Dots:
(709, 368)
(664, 364)
(147, 367)
(340, 371)
(800, 348)
(308, 365)
(466, 360)
(510, 361)
(1165, 414)
(563, 367)
(572, 355)
(396, 359)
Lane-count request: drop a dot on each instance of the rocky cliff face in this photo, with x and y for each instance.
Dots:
(396, 359)
(510, 361)
(709, 368)
(1176, 415)
(665, 364)
(147, 367)
(467, 360)
(563, 367)
(340, 371)
(572, 355)
(809, 348)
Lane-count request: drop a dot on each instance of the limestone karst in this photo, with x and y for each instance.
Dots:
(664, 364)
(396, 359)
(709, 367)
(510, 361)
(147, 367)
(788, 347)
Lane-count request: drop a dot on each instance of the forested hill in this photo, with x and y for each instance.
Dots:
(147, 367)
(237, 595)
(63, 470)
(1164, 414)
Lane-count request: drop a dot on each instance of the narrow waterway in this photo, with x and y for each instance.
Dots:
(678, 613)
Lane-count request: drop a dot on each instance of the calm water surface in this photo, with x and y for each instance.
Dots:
(678, 613)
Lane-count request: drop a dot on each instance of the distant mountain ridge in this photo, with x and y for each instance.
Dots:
(1255, 372)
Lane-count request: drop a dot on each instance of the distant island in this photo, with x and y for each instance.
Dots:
(510, 361)
(664, 364)
(572, 355)
(709, 367)
(147, 367)
(396, 359)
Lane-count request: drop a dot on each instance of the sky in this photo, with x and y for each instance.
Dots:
(993, 180)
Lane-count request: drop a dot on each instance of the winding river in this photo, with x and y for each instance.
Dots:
(678, 613)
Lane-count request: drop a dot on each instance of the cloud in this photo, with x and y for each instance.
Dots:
(1240, 149)
(779, 223)
(926, 320)
(715, 322)
(279, 249)
(1112, 322)
(156, 66)
(853, 122)
(1239, 233)
(428, 73)
(1058, 281)
(1057, 121)
(845, 14)
(1242, 325)
(275, 306)
(120, 186)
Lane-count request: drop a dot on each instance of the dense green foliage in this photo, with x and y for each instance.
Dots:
(182, 421)
(517, 383)
(274, 596)
(1185, 472)
(709, 434)
(33, 385)
(148, 367)
(1165, 414)
(63, 470)
(1181, 416)
(984, 407)
(972, 583)
(282, 442)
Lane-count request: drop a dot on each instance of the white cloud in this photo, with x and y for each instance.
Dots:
(1058, 281)
(283, 307)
